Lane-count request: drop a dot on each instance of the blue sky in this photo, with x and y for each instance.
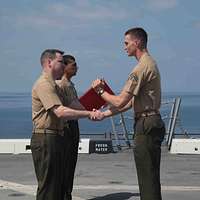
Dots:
(93, 31)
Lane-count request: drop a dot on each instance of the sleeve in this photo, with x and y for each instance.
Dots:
(134, 82)
(48, 95)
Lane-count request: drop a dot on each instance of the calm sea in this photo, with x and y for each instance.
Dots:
(15, 116)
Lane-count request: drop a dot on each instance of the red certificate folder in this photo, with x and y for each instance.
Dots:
(91, 100)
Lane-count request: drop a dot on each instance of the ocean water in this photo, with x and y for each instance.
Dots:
(15, 116)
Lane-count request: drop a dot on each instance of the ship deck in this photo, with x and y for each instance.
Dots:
(104, 177)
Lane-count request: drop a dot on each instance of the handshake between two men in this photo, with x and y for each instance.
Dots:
(98, 86)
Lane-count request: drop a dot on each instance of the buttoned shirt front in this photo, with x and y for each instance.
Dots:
(45, 95)
(144, 84)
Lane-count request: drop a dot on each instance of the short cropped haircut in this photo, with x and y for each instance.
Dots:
(67, 59)
(49, 54)
(140, 34)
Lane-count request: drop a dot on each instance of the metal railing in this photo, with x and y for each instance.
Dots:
(172, 118)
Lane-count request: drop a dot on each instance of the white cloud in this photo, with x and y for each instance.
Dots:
(160, 5)
(86, 11)
(38, 21)
(80, 13)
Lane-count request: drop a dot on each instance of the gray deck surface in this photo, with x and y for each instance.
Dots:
(105, 177)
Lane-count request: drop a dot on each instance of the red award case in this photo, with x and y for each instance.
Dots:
(91, 100)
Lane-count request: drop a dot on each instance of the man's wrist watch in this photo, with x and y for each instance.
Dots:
(100, 91)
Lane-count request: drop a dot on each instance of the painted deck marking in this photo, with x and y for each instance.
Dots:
(26, 189)
(31, 189)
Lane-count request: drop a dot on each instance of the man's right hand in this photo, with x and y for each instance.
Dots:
(98, 84)
(96, 115)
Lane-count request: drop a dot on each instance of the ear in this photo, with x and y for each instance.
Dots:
(137, 42)
(65, 69)
(49, 62)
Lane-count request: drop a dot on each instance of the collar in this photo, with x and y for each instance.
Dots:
(66, 81)
(143, 57)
